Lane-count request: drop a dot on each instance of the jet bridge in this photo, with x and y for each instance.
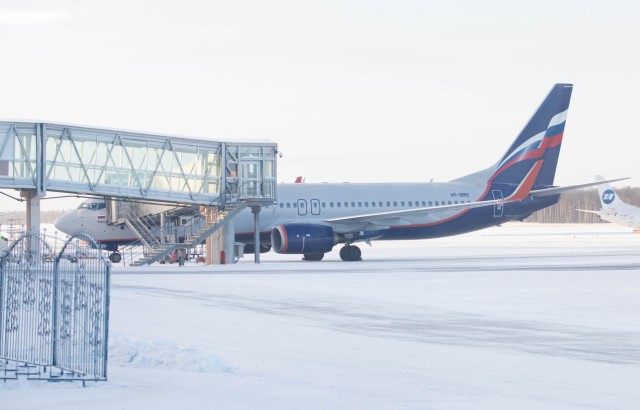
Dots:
(37, 157)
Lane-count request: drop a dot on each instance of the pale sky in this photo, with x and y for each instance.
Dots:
(359, 91)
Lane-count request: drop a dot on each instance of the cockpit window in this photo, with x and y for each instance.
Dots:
(94, 206)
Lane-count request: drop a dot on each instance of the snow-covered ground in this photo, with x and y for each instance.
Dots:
(517, 317)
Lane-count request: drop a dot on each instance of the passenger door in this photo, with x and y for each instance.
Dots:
(315, 207)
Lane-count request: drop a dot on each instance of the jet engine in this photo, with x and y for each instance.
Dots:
(302, 238)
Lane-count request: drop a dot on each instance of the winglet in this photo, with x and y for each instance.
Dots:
(525, 186)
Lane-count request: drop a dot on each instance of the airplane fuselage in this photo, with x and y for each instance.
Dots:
(624, 218)
(317, 203)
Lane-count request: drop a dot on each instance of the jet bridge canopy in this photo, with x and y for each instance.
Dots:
(42, 156)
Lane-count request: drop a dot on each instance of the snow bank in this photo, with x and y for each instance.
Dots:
(125, 352)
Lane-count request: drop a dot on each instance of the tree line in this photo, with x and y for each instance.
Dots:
(19, 217)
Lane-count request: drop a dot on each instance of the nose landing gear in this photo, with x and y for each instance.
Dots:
(115, 257)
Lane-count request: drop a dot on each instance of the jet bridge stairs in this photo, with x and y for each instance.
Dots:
(199, 228)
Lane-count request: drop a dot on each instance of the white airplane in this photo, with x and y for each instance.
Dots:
(310, 219)
(614, 210)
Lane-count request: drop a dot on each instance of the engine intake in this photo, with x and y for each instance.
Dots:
(302, 238)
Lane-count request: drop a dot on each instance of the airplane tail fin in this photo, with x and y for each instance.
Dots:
(540, 139)
(608, 198)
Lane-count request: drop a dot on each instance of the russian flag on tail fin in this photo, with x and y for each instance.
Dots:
(540, 139)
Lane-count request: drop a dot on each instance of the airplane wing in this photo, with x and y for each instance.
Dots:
(561, 189)
(410, 216)
(425, 215)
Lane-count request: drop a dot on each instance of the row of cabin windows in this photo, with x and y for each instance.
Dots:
(374, 204)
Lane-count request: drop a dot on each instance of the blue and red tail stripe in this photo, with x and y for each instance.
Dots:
(541, 138)
(535, 150)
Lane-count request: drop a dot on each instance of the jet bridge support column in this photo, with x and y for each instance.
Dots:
(213, 243)
(33, 215)
(256, 233)
(228, 232)
(33, 210)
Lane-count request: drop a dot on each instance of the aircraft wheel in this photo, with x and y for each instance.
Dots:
(313, 256)
(350, 253)
(355, 254)
(115, 257)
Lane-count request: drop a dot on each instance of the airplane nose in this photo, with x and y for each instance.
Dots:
(63, 224)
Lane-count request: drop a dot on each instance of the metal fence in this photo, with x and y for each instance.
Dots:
(54, 310)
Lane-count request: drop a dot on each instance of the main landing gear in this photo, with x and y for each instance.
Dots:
(313, 256)
(350, 253)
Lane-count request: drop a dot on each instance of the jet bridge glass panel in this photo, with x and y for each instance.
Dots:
(131, 164)
(19, 155)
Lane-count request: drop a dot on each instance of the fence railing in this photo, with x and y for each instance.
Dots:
(54, 310)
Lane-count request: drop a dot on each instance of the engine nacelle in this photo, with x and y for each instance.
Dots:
(302, 238)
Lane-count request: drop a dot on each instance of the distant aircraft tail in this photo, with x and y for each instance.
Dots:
(609, 200)
(540, 140)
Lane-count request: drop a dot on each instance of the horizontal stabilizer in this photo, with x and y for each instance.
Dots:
(588, 211)
(539, 193)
